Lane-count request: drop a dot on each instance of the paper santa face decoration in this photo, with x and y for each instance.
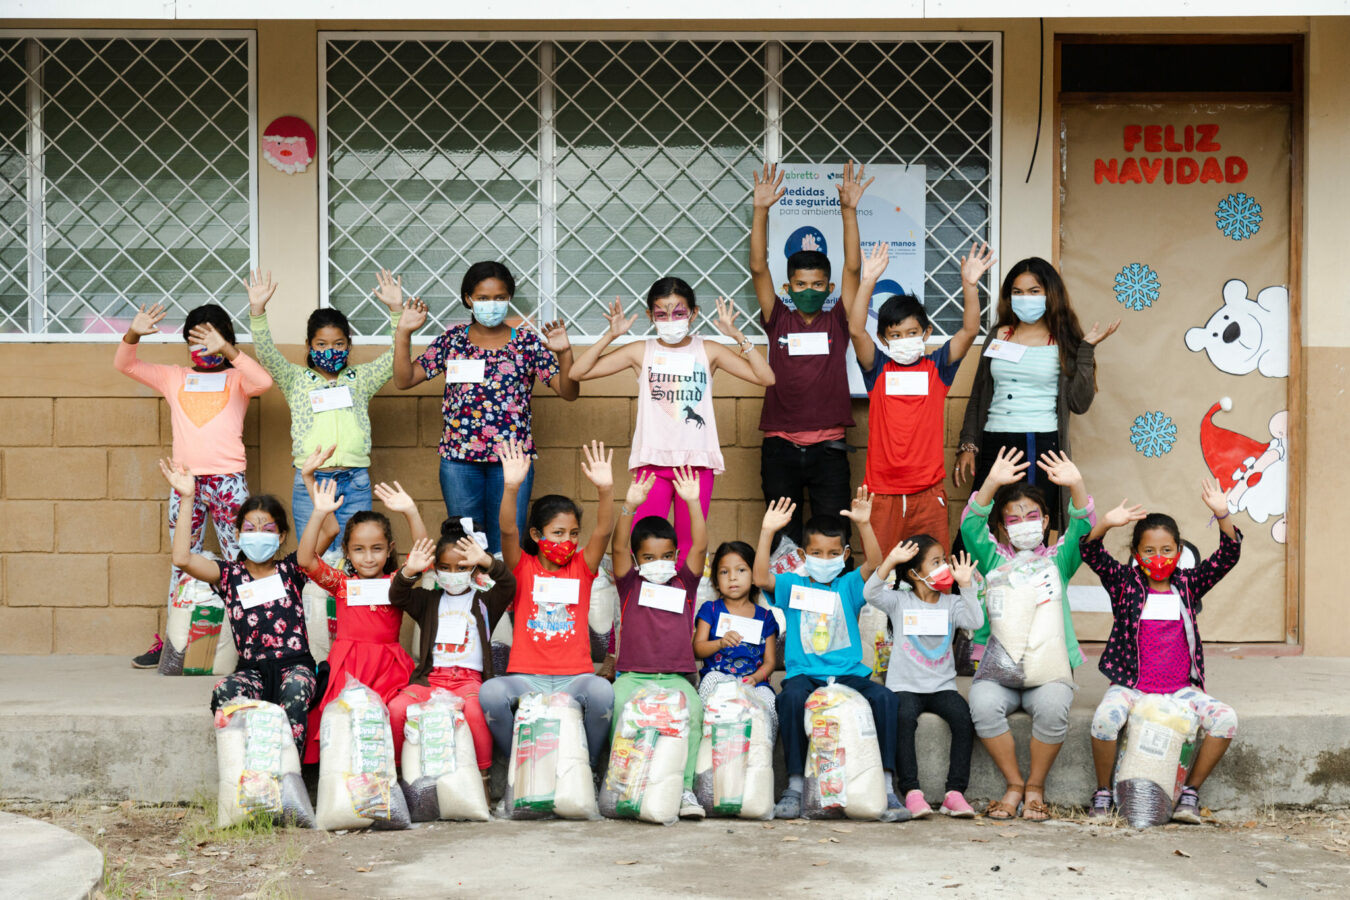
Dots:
(289, 144)
(1253, 472)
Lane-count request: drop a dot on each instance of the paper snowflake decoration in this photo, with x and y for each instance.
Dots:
(1239, 216)
(1137, 286)
(1153, 434)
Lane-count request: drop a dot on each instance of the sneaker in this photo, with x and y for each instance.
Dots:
(150, 658)
(1188, 807)
(916, 804)
(789, 806)
(690, 808)
(1100, 807)
(955, 805)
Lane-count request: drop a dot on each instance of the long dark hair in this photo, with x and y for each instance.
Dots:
(925, 543)
(745, 552)
(545, 510)
(1059, 315)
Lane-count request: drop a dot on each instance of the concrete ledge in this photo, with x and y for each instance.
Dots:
(41, 860)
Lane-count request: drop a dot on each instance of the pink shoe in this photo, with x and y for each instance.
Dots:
(955, 805)
(918, 807)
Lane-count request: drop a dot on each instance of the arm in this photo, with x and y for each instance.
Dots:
(686, 485)
(969, 613)
(1083, 379)
(1121, 515)
(198, 566)
(398, 500)
(704, 645)
(1062, 471)
(371, 376)
(768, 190)
(860, 303)
(973, 267)
(554, 336)
(851, 188)
(145, 322)
(503, 593)
(253, 378)
(874, 591)
(975, 533)
(515, 466)
(421, 557)
(970, 423)
(260, 288)
(776, 517)
(406, 374)
(746, 364)
(592, 365)
(1217, 501)
(621, 555)
(316, 459)
(861, 514)
(765, 671)
(326, 501)
(599, 470)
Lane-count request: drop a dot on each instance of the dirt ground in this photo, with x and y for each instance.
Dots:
(164, 852)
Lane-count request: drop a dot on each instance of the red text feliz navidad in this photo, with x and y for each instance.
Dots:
(1188, 139)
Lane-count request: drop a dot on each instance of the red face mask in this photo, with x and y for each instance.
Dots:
(941, 579)
(1159, 568)
(558, 552)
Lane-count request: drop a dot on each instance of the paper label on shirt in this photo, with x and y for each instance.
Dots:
(670, 363)
(750, 629)
(660, 596)
(1005, 350)
(907, 384)
(452, 628)
(1162, 608)
(812, 600)
(204, 382)
(367, 591)
(557, 590)
(324, 399)
(924, 622)
(464, 371)
(260, 591)
(808, 343)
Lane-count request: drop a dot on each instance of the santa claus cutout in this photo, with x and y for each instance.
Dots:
(1252, 472)
(288, 143)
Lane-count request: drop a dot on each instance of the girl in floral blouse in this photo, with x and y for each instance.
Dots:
(490, 368)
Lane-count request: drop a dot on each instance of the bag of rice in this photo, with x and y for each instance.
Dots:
(646, 762)
(1157, 749)
(320, 620)
(844, 777)
(734, 773)
(549, 772)
(1024, 602)
(440, 769)
(357, 783)
(259, 766)
(197, 638)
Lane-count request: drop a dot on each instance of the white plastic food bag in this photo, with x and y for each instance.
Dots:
(1156, 752)
(357, 781)
(646, 762)
(320, 620)
(874, 628)
(734, 773)
(440, 769)
(844, 771)
(603, 608)
(259, 766)
(197, 639)
(549, 772)
(1024, 599)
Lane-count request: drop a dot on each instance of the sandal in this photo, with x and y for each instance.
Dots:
(1003, 812)
(1038, 807)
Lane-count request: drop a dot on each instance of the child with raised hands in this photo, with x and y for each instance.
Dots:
(262, 596)
(455, 618)
(207, 403)
(924, 617)
(551, 643)
(824, 646)
(657, 600)
(1004, 529)
(1155, 645)
(675, 422)
(366, 645)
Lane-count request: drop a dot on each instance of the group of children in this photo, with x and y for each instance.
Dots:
(502, 553)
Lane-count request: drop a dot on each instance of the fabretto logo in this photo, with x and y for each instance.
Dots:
(801, 176)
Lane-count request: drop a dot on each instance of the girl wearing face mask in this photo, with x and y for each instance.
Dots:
(1038, 366)
(1004, 528)
(262, 596)
(1155, 646)
(456, 617)
(329, 399)
(490, 368)
(675, 422)
(207, 403)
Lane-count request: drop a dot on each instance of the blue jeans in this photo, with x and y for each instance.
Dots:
(474, 489)
(353, 485)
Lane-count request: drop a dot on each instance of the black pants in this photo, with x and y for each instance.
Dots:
(1032, 446)
(951, 707)
(820, 470)
(791, 705)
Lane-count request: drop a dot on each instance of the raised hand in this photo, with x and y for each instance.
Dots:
(395, 497)
(727, 314)
(1215, 498)
(878, 258)
(1059, 469)
(179, 478)
(768, 186)
(686, 483)
(902, 552)
(851, 186)
(473, 552)
(976, 263)
(421, 556)
(963, 568)
(555, 336)
(861, 509)
(1096, 335)
(317, 457)
(598, 466)
(206, 335)
(260, 289)
(414, 315)
(638, 490)
(1123, 515)
(1008, 466)
(515, 462)
(147, 320)
(389, 290)
(618, 322)
(779, 514)
(326, 499)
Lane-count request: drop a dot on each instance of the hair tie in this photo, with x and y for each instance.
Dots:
(466, 524)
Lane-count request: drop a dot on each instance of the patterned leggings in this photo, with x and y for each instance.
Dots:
(708, 683)
(221, 496)
(297, 690)
(1216, 719)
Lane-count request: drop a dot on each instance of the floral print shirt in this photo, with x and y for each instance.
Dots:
(272, 630)
(480, 416)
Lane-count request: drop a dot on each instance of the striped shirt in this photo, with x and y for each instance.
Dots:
(1026, 392)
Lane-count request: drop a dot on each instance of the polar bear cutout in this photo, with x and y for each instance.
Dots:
(1245, 334)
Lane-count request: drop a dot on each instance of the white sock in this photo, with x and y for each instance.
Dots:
(795, 783)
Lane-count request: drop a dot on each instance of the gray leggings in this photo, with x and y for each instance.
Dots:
(498, 698)
(1048, 706)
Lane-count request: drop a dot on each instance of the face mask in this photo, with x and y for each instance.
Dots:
(940, 579)
(1025, 535)
(259, 546)
(905, 351)
(454, 582)
(1029, 307)
(203, 360)
(824, 570)
(489, 313)
(658, 571)
(558, 552)
(1159, 568)
(330, 360)
(672, 332)
(809, 301)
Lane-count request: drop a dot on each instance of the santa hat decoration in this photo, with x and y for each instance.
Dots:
(289, 144)
(1226, 452)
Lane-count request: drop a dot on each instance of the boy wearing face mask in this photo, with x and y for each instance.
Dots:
(657, 600)
(907, 393)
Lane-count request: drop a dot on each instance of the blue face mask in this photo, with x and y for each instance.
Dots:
(824, 570)
(259, 546)
(1029, 307)
(330, 360)
(489, 313)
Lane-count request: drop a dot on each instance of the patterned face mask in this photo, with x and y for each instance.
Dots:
(330, 359)
(203, 360)
(1159, 568)
(558, 552)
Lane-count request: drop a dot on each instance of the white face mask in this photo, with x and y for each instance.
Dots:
(672, 332)
(658, 571)
(454, 582)
(1025, 535)
(905, 351)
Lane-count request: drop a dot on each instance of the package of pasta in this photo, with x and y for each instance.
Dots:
(1024, 600)
(734, 773)
(197, 639)
(646, 760)
(1157, 749)
(358, 785)
(844, 770)
(259, 766)
(549, 771)
(440, 768)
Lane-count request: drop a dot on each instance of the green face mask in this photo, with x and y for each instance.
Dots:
(809, 301)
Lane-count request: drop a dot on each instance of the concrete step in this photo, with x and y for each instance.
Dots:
(41, 860)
